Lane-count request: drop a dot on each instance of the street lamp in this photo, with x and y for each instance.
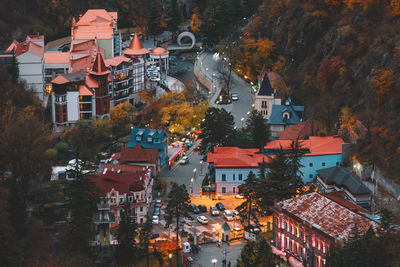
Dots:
(248, 112)
(201, 167)
(194, 172)
(170, 259)
(191, 187)
(242, 119)
(214, 261)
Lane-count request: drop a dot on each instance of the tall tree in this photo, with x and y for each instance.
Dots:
(258, 254)
(259, 130)
(249, 207)
(217, 129)
(177, 208)
(174, 16)
(127, 231)
(195, 22)
(121, 118)
(295, 154)
(144, 234)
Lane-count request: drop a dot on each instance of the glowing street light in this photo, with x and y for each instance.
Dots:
(214, 261)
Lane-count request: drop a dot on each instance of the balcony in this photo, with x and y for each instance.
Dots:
(121, 95)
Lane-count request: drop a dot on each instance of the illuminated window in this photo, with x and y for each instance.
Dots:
(49, 88)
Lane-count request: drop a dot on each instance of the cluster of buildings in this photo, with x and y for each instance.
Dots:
(127, 180)
(90, 74)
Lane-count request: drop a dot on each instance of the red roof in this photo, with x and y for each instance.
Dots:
(29, 46)
(139, 154)
(99, 68)
(115, 61)
(83, 55)
(60, 79)
(12, 46)
(301, 130)
(339, 197)
(56, 57)
(123, 182)
(85, 91)
(95, 23)
(236, 157)
(159, 51)
(136, 47)
(91, 82)
(326, 215)
(317, 145)
(123, 167)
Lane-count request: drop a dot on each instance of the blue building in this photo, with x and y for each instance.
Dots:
(322, 152)
(151, 138)
(284, 116)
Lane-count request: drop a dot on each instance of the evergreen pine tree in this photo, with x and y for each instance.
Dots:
(259, 131)
(127, 228)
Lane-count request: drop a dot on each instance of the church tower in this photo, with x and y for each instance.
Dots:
(100, 73)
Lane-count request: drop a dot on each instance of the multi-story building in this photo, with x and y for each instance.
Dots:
(337, 178)
(321, 152)
(307, 226)
(151, 138)
(120, 188)
(29, 54)
(99, 25)
(80, 95)
(230, 166)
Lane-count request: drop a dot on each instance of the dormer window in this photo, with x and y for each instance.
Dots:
(138, 138)
(157, 140)
(149, 139)
(286, 115)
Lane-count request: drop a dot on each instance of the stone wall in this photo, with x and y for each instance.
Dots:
(203, 80)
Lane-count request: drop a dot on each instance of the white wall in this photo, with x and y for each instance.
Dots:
(31, 70)
(232, 178)
(73, 106)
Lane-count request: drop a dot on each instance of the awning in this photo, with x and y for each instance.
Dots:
(176, 154)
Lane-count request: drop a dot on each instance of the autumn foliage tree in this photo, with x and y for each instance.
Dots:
(382, 81)
(121, 118)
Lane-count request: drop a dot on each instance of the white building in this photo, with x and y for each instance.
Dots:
(230, 166)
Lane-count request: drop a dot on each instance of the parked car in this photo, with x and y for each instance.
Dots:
(235, 213)
(234, 97)
(157, 212)
(184, 160)
(214, 211)
(202, 219)
(155, 220)
(254, 228)
(228, 215)
(196, 148)
(220, 206)
(194, 208)
(154, 235)
(239, 196)
(158, 203)
(202, 208)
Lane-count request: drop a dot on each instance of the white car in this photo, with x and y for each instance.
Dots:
(234, 97)
(184, 160)
(239, 196)
(228, 215)
(202, 219)
(156, 220)
(214, 211)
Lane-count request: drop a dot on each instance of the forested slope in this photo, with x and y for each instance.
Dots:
(341, 59)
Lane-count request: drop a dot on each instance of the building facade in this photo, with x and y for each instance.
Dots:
(307, 226)
(230, 166)
(151, 138)
(321, 152)
(339, 179)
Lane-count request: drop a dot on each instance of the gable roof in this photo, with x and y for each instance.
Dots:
(266, 88)
(95, 24)
(295, 114)
(123, 182)
(29, 46)
(56, 58)
(60, 79)
(340, 198)
(317, 145)
(136, 47)
(344, 178)
(115, 61)
(302, 130)
(326, 215)
(144, 133)
(139, 154)
(235, 157)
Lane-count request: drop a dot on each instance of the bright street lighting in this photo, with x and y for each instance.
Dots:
(214, 261)
(248, 112)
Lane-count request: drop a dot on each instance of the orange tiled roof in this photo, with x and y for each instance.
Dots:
(301, 130)
(159, 51)
(136, 47)
(85, 91)
(115, 61)
(91, 82)
(60, 79)
(99, 68)
(12, 46)
(139, 154)
(28, 46)
(326, 215)
(317, 145)
(339, 197)
(123, 168)
(235, 157)
(95, 23)
(56, 57)
(83, 55)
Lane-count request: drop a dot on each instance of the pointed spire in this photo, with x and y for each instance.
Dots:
(136, 47)
(99, 67)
